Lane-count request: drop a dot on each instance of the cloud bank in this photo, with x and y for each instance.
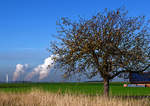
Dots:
(43, 69)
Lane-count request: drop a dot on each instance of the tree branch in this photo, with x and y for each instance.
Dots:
(128, 71)
(146, 68)
(118, 73)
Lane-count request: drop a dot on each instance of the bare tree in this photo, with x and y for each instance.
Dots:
(108, 44)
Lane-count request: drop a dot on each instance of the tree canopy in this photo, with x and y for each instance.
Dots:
(109, 43)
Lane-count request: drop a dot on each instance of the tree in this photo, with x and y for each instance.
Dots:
(109, 44)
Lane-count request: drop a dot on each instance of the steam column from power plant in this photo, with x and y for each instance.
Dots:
(6, 78)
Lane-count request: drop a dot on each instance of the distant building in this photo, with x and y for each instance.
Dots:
(139, 78)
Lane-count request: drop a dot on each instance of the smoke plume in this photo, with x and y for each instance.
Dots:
(20, 69)
(43, 69)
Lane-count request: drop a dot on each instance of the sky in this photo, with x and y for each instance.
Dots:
(27, 26)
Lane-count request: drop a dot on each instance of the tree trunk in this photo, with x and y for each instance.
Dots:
(106, 87)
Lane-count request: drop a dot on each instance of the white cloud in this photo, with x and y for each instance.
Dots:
(43, 69)
(20, 69)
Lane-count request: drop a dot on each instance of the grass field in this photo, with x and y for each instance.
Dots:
(116, 89)
(71, 94)
(40, 98)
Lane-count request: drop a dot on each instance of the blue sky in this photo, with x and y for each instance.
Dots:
(27, 26)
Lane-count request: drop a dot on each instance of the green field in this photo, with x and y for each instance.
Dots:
(116, 89)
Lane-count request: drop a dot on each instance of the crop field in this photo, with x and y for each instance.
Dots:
(116, 89)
